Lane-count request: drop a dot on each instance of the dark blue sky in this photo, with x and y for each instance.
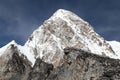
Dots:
(18, 18)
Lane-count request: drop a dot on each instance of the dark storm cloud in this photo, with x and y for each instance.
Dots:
(18, 18)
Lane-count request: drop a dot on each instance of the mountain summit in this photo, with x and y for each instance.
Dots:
(60, 42)
(65, 29)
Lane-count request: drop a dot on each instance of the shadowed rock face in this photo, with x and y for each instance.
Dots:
(81, 65)
(13, 65)
(40, 70)
(76, 65)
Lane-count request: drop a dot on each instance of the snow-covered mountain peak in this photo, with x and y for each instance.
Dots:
(12, 47)
(61, 13)
(66, 15)
(3, 49)
(65, 29)
(11, 43)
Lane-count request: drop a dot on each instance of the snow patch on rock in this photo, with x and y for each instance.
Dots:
(116, 47)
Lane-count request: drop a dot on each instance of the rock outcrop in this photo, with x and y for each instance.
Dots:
(40, 70)
(13, 64)
(81, 65)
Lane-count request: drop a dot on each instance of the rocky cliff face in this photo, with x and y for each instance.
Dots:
(65, 47)
(77, 65)
(81, 65)
(13, 64)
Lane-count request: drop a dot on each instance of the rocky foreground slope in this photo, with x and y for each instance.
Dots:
(65, 47)
(77, 65)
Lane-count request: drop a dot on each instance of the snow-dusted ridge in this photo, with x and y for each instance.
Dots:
(64, 29)
(6, 46)
(115, 46)
(22, 49)
(26, 51)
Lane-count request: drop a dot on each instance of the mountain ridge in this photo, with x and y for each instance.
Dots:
(63, 29)
(64, 47)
